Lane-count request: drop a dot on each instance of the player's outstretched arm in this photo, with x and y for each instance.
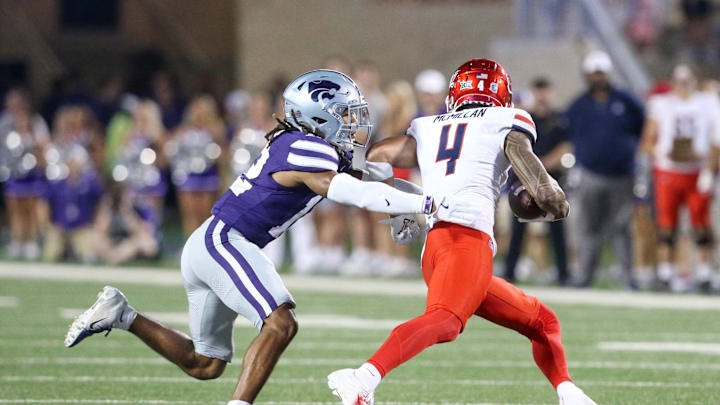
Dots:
(397, 151)
(345, 189)
(541, 186)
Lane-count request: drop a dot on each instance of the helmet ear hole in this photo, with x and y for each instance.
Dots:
(319, 120)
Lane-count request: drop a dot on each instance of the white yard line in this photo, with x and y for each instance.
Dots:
(301, 361)
(678, 347)
(9, 302)
(153, 276)
(160, 401)
(465, 382)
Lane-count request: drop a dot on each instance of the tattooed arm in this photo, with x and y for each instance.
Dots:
(542, 187)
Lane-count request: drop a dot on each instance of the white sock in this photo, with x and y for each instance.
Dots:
(565, 388)
(369, 376)
(238, 402)
(126, 319)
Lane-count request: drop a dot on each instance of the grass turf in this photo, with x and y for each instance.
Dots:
(486, 364)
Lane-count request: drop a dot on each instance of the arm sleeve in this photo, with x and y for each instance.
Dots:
(377, 171)
(374, 196)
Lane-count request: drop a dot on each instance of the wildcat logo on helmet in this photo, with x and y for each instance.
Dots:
(322, 90)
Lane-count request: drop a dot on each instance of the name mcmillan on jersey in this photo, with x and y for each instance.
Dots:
(463, 114)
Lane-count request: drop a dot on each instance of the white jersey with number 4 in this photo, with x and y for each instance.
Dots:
(462, 154)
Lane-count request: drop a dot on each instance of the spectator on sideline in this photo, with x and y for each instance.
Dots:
(431, 87)
(550, 148)
(74, 188)
(681, 135)
(127, 226)
(24, 134)
(164, 91)
(402, 108)
(237, 105)
(194, 152)
(338, 63)
(363, 255)
(142, 163)
(604, 128)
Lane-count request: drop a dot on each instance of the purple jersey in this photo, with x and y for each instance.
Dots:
(260, 208)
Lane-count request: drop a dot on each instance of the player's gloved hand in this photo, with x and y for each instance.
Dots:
(403, 228)
(455, 210)
(705, 181)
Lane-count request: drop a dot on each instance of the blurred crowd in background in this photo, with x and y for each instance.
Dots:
(119, 173)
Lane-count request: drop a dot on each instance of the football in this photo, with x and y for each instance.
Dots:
(522, 203)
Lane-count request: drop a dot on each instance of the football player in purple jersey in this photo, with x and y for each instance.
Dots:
(225, 274)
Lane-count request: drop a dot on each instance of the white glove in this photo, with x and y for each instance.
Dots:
(455, 210)
(705, 181)
(403, 228)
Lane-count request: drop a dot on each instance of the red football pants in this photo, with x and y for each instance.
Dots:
(457, 268)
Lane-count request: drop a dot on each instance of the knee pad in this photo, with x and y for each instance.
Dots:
(667, 236)
(703, 238)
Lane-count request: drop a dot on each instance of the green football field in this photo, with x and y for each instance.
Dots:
(622, 349)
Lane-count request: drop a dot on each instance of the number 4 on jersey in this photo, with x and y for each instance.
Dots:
(450, 154)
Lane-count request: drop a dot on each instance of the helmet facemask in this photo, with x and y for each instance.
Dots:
(355, 127)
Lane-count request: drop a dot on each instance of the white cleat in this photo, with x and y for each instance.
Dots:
(570, 394)
(101, 316)
(346, 386)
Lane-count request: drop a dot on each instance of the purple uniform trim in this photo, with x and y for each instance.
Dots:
(210, 245)
(309, 153)
(428, 204)
(247, 268)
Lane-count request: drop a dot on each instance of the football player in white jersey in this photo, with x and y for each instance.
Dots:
(682, 135)
(467, 153)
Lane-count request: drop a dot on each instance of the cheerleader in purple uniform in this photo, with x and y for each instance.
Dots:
(194, 153)
(147, 176)
(23, 135)
(74, 188)
(138, 199)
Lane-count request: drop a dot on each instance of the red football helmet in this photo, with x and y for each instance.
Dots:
(479, 81)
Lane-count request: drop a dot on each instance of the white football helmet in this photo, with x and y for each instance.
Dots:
(329, 104)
